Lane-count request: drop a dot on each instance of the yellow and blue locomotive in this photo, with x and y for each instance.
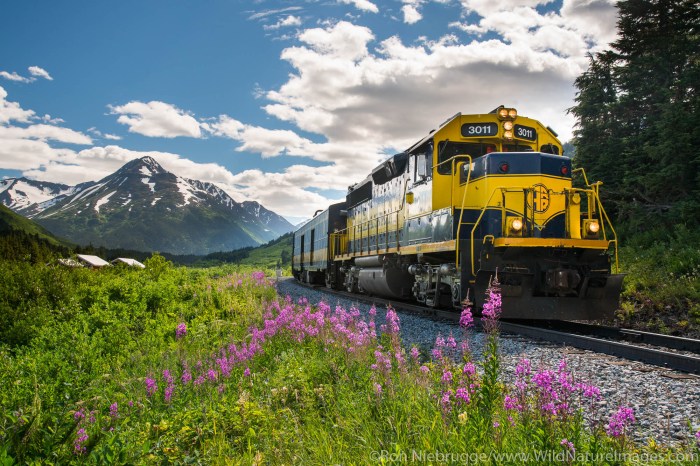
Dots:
(483, 195)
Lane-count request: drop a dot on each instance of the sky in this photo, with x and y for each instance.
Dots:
(282, 102)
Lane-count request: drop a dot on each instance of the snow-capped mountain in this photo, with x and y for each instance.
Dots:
(144, 207)
(20, 193)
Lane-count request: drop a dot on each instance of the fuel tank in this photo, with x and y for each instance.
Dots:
(391, 282)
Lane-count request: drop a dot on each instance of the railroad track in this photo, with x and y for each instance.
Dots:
(649, 348)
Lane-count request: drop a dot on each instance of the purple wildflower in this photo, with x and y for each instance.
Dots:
(181, 330)
(469, 368)
(378, 388)
(620, 421)
(466, 319)
(447, 377)
(246, 372)
(492, 307)
(78, 415)
(114, 410)
(424, 369)
(186, 377)
(462, 394)
(79, 444)
(569, 446)
(151, 386)
(392, 323)
(415, 354)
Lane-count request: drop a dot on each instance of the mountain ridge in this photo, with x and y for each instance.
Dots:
(142, 206)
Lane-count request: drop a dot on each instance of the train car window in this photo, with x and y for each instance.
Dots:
(448, 149)
(550, 149)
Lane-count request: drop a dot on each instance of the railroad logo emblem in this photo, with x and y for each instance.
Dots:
(540, 198)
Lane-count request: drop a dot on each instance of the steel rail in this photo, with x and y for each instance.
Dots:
(656, 357)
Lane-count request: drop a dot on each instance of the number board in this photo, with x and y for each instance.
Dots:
(525, 132)
(476, 130)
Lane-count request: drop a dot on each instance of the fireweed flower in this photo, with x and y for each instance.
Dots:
(568, 445)
(469, 369)
(392, 323)
(378, 388)
(447, 377)
(78, 415)
(151, 386)
(492, 307)
(620, 421)
(181, 330)
(80, 438)
(466, 319)
(415, 354)
(114, 410)
(462, 394)
(424, 369)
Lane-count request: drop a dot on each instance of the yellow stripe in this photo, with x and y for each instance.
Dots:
(405, 250)
(552, 243)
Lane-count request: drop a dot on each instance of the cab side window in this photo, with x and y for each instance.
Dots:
(448, 149)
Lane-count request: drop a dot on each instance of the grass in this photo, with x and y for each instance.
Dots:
(208, 366)
(662, 286)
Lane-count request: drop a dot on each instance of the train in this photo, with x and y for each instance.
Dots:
(482, 197)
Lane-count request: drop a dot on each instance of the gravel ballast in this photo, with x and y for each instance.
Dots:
(664, 402)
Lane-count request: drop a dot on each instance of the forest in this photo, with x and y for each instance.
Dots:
(638, 131)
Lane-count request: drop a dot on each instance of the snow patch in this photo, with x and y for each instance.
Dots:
(186, 190)
(150, 185)
(156, 200)
(145, 171)
(102, 201)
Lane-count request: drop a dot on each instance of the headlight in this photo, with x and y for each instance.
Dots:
(591, 228)
(502, 113)
(512, 113)
(508, 125)
(514, 226)
(508, 134)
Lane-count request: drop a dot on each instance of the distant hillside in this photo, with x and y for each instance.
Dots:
(278, 251)
(12, 222)
(22, 239)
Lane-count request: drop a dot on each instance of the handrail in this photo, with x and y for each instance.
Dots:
(596, 188)
(464, 199)
(359, 226)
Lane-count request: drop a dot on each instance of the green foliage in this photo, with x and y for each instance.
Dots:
(662, 286)
(638, 111)
(75, 390)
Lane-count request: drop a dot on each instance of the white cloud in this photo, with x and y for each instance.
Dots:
(411, 15)
(11, 111)
(94, 131)
(157, 119)
(266, 13)
(364, 5)
(40, 73)
(289, 21)
(15, 77)
(43, 132)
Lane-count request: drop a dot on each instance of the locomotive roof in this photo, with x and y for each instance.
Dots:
(430, 135)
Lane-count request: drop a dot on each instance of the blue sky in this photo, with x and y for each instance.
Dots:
(285, 103)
